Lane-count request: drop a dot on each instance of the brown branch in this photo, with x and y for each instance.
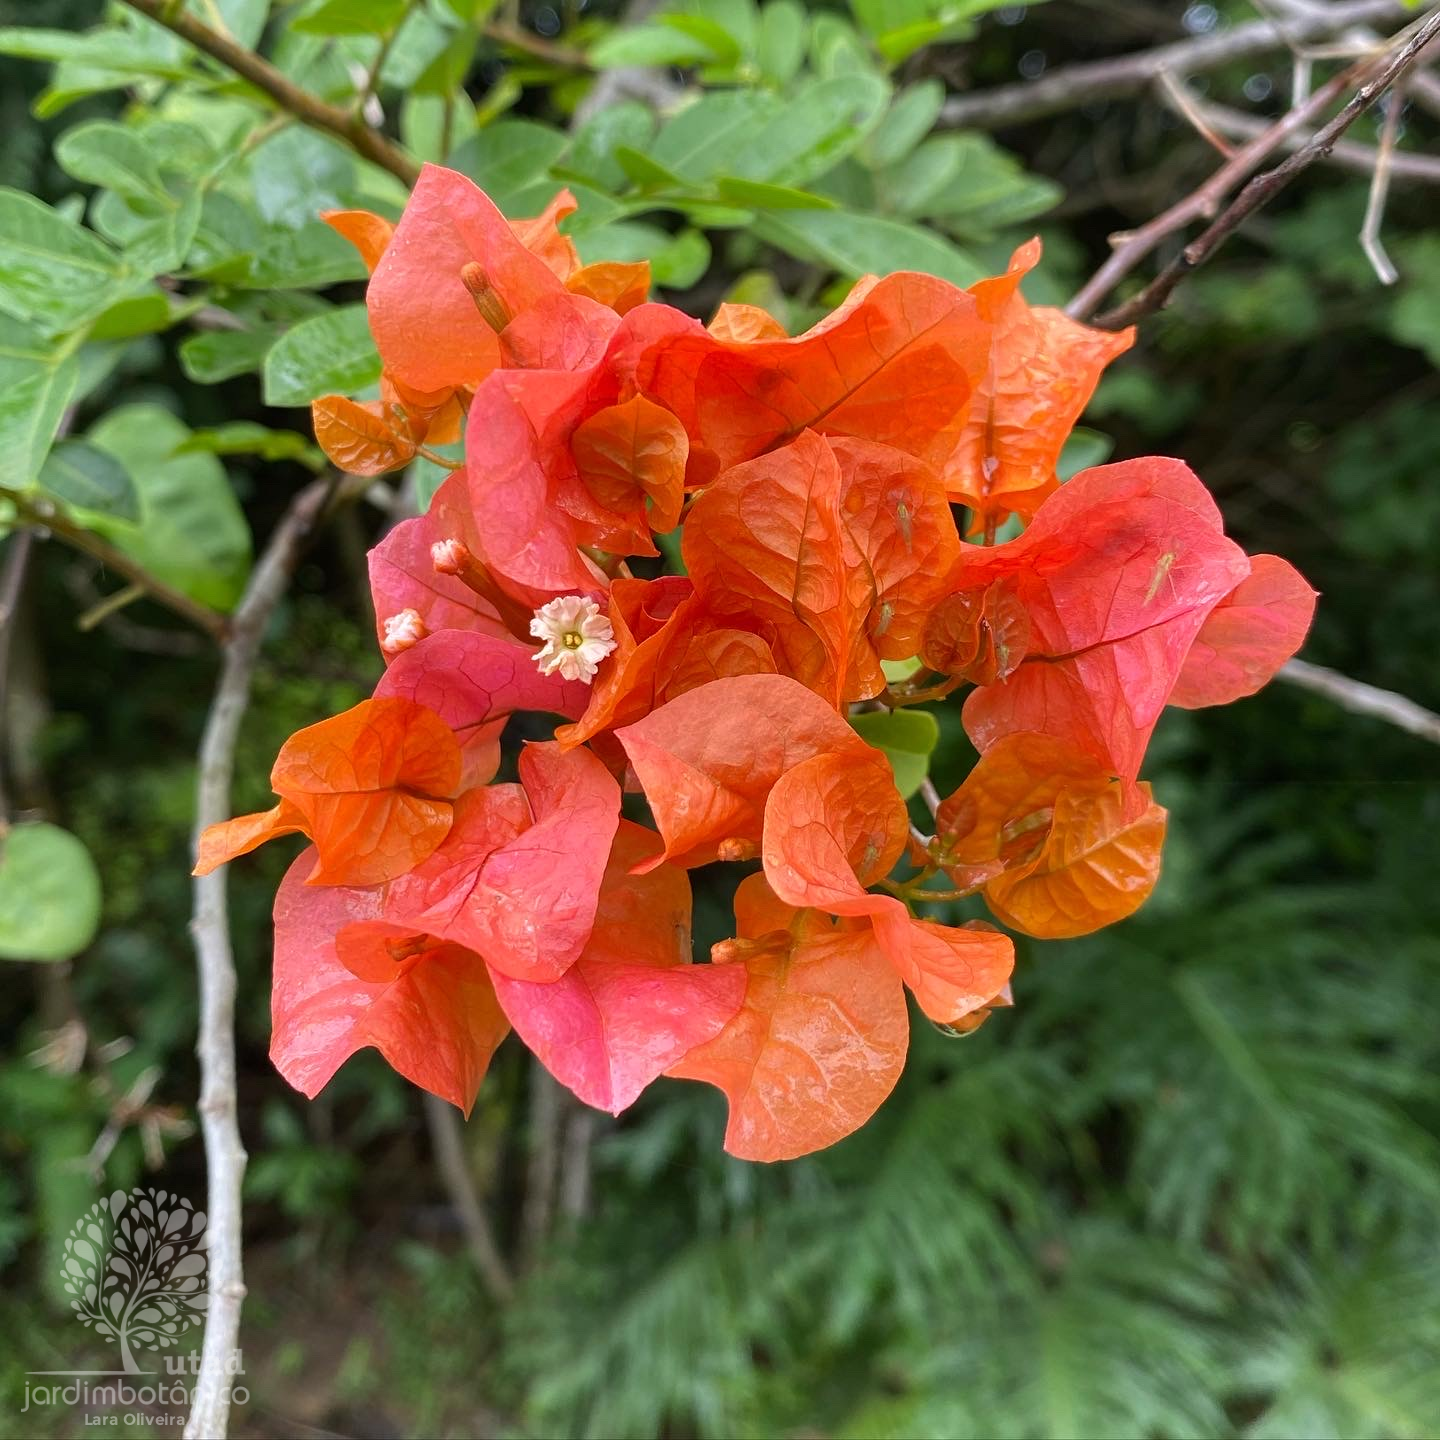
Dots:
(1362, 699)
(1202, 203)
(44, 514)
(445, 1140)
(210, 925)
(1072, 86)
(1346, 154)
(1384, 73)
(310, 109)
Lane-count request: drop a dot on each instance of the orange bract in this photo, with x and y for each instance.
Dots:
(371, 787)
(361, 438)
(1043, 370)
(1061, 846)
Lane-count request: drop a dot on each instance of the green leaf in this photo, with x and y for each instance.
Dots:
(216, 355)
(52, 272)
(648, 174)
(676, 261)
(298, 173)
(908, 121)
(245, 437)
(327, 354)
(908, 738)
(505, 159)
(244, 19)
(825, 121)
(648, 45)
(592, 151)
(309, 258)
(89, 479)
(758, 195)
(715, 134)
(37, 381)
(780, 50)
(144, 313)
(120, 55)
(723, 46)
(191, 531)
(161, 244)
(446, 73)
(101, 152)
(351, 17)
(49, 894)
(867, 244)
(1083, 449)
(423, 127)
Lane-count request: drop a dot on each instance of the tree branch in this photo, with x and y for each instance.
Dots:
(1385, 72)
(1362, 699)
(1203, 202)
(346, 125)
(445, 1139)
(210, 925)
(48, 516)
(1072, 86)
(1346, 154)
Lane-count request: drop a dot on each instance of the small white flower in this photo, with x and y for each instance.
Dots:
(577, 637)
(402, 630)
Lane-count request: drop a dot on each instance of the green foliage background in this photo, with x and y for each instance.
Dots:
(1190, 1186)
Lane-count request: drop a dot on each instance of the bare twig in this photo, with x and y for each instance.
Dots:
(1131, 248)
(1071, 86)
(449, 1148)
(1383, 74)
(547, 1120)
(310, 109)
(1370, 241)
(210, 925)
(1362, 699)
(1182, 100)
(44, 514)
(1346, 154)
(575, 1167)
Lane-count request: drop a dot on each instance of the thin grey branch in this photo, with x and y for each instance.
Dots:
(1072, 86)
(1362, 699)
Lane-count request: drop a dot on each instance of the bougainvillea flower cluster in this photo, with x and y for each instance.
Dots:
(816, 482)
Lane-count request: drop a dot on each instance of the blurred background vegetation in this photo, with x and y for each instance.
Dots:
(1189, 1186)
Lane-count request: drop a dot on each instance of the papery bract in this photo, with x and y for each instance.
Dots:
(1061, 846)
(707, 759)
(518, 877)
(1248, 636)
(1043, 370)
(632, 1004)
(1117, 573)
(371, 787)
(817, 1045)
(834, 825)
(896, 363)
(766, 548)
(474, 681)
(427, 1006)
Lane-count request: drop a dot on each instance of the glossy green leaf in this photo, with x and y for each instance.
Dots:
(676, 261)
(646, 172)
(312, 257)
(592, 151)
(49, 894)
(648, 45)
(424, 129)
(161, 244)
(815, 130)
(118, 54)
(101, 152)
(245, 437)
(216, 355)
(37, 381)
(908, 121)
(351, 17)
(908, 738)
(506, 158)
(714, 135)
(85, 478)
(723, 46)
(867, 244)
(191, 531)
(326, 354)
(760, 196)
(145, 313)
(53, 272)
(780, 48)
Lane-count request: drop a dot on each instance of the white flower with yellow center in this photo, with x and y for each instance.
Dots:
(577, 637)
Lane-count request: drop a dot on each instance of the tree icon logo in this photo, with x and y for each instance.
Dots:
(136, 1267)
